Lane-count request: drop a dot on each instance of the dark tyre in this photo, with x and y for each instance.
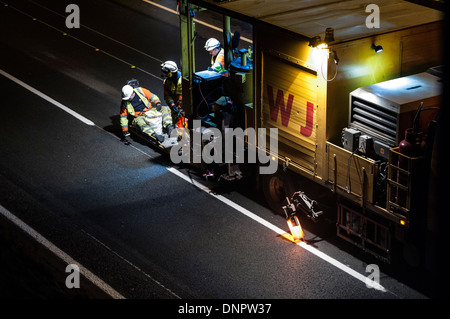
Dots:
(276, 187)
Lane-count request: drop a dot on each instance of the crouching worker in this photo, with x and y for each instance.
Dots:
(146, 112)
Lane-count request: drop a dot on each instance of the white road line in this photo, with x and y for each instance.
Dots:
(48, 244)
(93, 46)
(161, 7)
(99, 33)
(223, 199)
(133, 265)
(47, 98)
(62, 255)
(196, 20)
(280, 231)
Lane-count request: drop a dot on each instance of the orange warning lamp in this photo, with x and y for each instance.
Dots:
(292, 221)
(295, 228)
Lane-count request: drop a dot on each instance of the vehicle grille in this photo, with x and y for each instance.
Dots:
(374, 120)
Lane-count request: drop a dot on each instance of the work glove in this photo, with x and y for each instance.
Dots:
(125, 135)
(158, 107)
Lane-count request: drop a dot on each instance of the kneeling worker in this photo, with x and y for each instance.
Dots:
(141, 104)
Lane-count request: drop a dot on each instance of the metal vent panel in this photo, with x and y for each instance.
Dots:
(374, 120)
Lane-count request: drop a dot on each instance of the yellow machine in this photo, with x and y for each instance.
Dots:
(341, 82)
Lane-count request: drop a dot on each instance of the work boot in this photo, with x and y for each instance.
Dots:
(169, 129)
(158, 137)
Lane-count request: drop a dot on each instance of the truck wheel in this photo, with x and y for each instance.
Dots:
(276, 187)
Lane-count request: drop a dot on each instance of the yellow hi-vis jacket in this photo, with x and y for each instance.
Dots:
(127, 109)
(173, 92)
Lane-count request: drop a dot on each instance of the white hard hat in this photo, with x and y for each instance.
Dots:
(127, 91)
(169, 66)
(212, 43)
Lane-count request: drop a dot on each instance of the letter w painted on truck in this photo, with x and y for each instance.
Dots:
(278, 105)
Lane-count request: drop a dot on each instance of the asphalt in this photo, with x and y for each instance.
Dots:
(31, 272)
(70, 178)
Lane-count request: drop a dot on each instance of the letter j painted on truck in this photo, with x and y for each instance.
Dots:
(284, 107)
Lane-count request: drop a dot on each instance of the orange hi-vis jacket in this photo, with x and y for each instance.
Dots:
(218, 63)
(142, 104)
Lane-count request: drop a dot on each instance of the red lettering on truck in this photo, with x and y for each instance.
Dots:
(279, 105)
(307, 130)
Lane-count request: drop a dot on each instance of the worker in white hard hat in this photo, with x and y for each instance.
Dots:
(172, 85)
(218, 56)
(141, 105)
(173, 92)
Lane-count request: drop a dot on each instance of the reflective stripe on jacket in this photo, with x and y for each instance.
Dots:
(172, 92)
(218, 63)
(148, 98)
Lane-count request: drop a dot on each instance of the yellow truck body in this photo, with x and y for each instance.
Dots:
(303, 91)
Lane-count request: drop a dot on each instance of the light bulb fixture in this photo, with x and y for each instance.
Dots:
(377, 48)
(315, 41)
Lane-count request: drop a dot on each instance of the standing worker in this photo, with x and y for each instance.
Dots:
(218, 56)
(172, 85)
(173, 91)
(141, 104)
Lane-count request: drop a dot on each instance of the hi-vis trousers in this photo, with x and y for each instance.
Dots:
(146, 125)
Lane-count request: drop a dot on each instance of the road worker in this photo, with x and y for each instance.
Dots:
(145, 108)
(172, 85)
(217, 56)
(173, 92)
